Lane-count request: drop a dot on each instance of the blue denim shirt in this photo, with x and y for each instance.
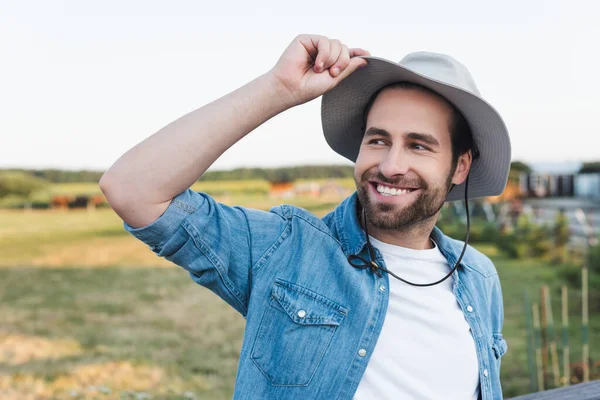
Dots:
(308, 311)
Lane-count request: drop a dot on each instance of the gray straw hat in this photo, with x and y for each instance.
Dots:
(342, 113)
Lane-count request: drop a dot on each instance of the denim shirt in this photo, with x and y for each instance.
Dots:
(312, 320)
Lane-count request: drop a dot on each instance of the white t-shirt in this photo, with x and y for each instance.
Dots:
(425, 350)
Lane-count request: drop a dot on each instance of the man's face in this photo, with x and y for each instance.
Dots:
(406, 150)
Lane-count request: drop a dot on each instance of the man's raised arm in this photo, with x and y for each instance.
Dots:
(140, 185)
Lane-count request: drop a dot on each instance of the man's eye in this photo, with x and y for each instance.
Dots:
(376, 141)
(419, 147)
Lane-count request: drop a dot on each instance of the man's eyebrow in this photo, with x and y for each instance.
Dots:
(372, 131)
(423, 137)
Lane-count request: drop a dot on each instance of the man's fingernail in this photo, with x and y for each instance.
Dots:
(321, 66)
(336, 71)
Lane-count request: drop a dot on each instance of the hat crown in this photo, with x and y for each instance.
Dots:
(442, 68)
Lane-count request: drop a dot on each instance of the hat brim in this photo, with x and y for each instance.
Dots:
(342, 111)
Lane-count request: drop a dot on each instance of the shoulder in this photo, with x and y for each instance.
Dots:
(303, 218)
(480, 262)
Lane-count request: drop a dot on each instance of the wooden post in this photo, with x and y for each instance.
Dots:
(538, 349)
(530, 345)
(584, 323)
(551, 338)
(565, 336)
(591, 240)
(543, 330)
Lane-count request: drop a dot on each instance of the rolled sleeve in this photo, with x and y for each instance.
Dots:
(164, 227)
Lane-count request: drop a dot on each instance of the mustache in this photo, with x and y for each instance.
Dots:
(402, 181)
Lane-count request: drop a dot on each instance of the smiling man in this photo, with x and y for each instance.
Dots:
(372, 301)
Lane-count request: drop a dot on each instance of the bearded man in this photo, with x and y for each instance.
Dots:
(371, 301)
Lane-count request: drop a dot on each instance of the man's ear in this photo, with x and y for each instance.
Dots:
(463, 166)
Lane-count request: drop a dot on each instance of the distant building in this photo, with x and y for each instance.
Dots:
(538, 184)
(548, 180)
(588, 186)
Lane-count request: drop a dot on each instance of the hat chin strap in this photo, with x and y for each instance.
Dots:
(374, 267)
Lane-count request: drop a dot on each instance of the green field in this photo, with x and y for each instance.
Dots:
(89, 312)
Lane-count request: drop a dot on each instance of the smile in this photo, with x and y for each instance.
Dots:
(391, 191)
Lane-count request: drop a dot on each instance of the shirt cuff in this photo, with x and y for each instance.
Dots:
(164, 227)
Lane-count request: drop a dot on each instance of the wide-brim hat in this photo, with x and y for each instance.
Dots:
(343, 108)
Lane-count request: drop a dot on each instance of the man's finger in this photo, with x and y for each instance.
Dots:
(310, 43)
(334, 52)
(341, 63)
(356, 52)
(355, 63)
(324, 48)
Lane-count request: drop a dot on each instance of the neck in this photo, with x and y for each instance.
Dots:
(415, 236)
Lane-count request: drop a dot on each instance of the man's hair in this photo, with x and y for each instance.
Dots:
(460, 133)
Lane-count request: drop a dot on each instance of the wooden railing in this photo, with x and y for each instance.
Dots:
(581, 391)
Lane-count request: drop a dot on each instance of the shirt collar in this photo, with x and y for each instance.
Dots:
(349, 231)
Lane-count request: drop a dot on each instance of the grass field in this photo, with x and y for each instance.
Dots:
(89, 312)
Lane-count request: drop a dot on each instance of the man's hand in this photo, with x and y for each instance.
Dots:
(313, 65)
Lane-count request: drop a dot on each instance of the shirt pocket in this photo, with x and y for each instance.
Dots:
(499, 345)
(294, 334)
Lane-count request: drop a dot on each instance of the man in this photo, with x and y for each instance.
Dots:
(324, 319)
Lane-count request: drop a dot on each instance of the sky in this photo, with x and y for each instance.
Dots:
(82, 82)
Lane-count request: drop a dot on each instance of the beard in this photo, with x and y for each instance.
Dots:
(394, 217)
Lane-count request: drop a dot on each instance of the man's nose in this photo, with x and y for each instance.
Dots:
(395, 163)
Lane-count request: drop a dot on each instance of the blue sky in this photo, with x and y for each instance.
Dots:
(82, 82)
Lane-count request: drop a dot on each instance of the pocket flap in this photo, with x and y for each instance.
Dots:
(306, 307)
(499, 345)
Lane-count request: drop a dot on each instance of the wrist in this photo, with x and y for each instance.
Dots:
(279, 91)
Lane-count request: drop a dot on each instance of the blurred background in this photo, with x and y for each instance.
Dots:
(87, 311)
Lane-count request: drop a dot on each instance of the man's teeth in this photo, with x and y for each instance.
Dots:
(386, 190)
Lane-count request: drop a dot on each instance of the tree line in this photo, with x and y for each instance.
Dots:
(269, 174)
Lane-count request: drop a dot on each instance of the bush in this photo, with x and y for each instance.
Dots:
(527, 240)
(571, 274)
(562, 236)
(594, 259)
(489, 233)
(20, 184)
(539, 242)
(507, 244)
(481, 232)
(455, 229)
